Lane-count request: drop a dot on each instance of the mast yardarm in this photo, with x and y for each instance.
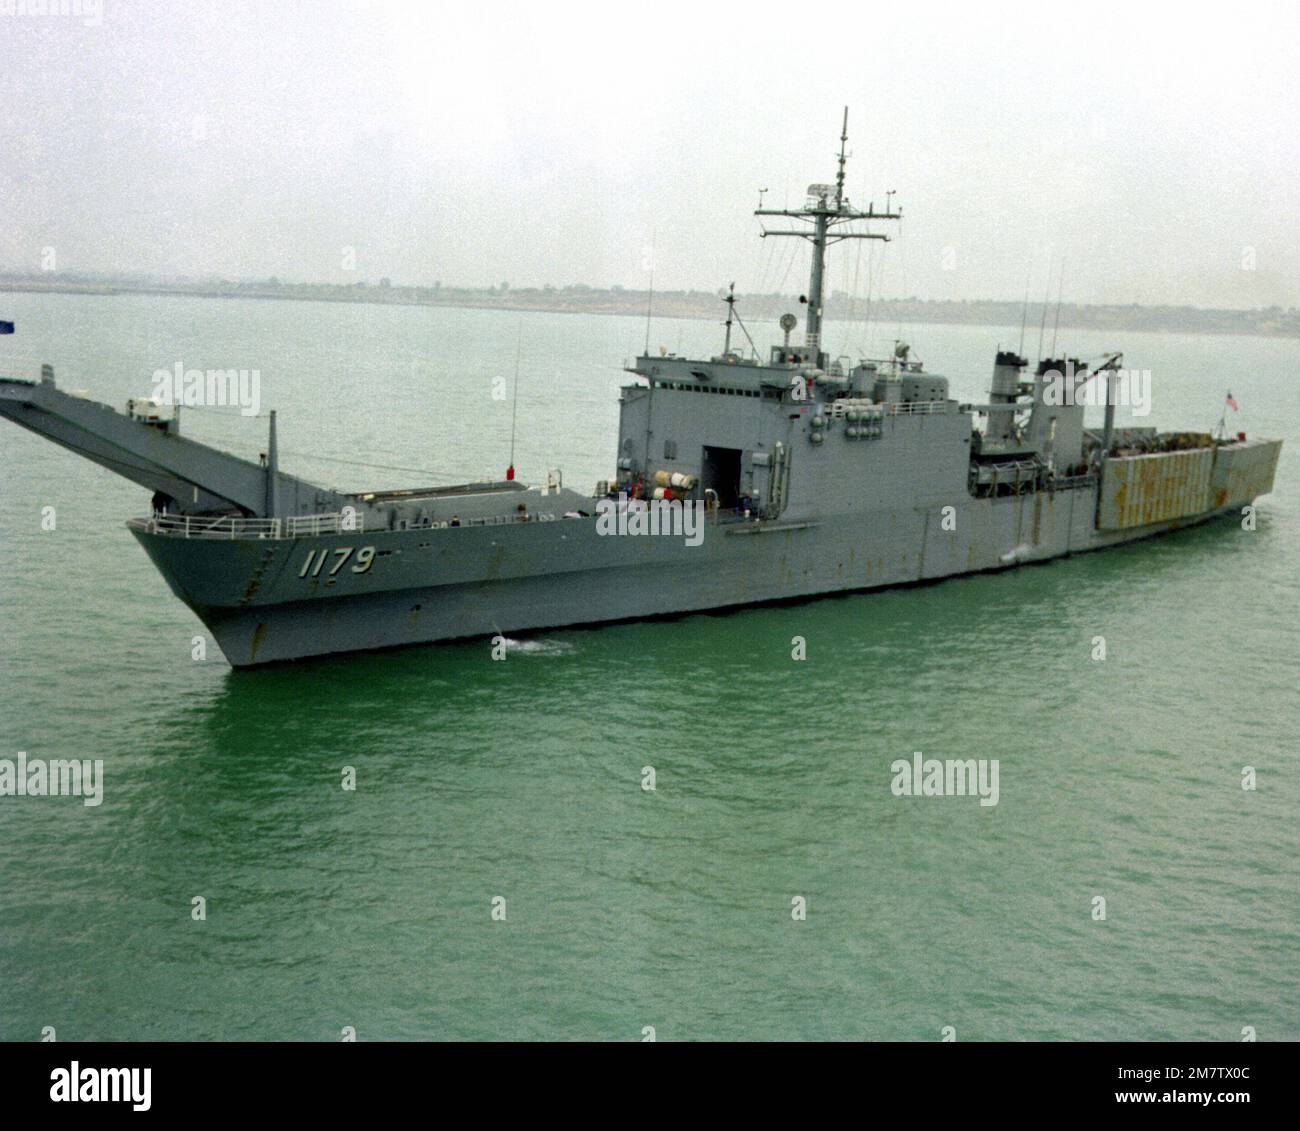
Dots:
(825, 210)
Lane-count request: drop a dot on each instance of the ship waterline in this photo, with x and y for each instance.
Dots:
(440, 584)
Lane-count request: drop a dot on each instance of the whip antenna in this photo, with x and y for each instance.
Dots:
(1060, 287)
(514, 403)
(1024, 311)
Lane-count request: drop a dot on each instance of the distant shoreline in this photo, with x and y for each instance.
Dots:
(754, 309)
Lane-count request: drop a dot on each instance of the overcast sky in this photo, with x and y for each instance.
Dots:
(1153, 149)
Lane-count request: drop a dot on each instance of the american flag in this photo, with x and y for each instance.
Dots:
(1231, 403)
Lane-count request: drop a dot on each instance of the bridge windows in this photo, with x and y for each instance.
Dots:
(719, 390)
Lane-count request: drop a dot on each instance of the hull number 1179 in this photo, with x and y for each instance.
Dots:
(316, 560)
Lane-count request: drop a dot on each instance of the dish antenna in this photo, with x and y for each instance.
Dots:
(788, 323)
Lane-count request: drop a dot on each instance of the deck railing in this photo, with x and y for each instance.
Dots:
(912, 408)
(231, 527)
(337, 522)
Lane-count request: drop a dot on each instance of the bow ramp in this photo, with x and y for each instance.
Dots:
(186, 477)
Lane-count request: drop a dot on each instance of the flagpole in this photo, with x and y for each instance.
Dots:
(1223, 417)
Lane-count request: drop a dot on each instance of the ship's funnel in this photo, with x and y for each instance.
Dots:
(1056, 423)
(1004, 390)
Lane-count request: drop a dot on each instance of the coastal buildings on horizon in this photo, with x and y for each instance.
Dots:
(1274, 321)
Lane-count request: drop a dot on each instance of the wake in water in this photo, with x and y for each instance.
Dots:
(538, 647)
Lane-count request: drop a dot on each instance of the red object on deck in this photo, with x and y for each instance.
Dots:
(1241, 435)
(510, 472)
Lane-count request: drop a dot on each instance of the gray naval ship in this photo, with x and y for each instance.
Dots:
(807, 474)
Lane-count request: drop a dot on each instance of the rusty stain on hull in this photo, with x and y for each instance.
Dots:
(1146, 489)
(258, 633)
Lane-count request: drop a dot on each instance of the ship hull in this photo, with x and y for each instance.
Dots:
(268, 601)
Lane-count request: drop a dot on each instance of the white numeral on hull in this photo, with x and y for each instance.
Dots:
(316, 560)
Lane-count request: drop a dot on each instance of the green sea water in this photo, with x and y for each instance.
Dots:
(519, 784)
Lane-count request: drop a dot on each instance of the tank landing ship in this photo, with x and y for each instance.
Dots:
(811, 477)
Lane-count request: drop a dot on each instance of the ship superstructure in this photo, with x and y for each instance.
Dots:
(811, 475)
